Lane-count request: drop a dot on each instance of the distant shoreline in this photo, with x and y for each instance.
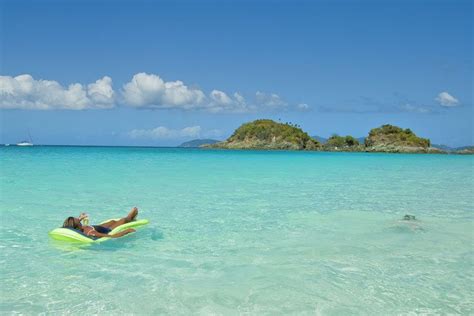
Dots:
(235, 149)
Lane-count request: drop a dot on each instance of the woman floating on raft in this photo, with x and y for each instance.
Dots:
(77, 229)
(102, 230)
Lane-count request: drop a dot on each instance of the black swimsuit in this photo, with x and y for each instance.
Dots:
(102, 229)
(99, 229)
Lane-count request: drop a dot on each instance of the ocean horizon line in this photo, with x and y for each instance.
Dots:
(226, 149)
(71, 145)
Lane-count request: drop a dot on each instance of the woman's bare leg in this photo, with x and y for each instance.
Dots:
(130, 217)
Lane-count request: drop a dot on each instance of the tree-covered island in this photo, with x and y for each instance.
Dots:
(267, 134)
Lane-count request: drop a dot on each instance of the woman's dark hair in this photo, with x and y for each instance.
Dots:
(70, 222)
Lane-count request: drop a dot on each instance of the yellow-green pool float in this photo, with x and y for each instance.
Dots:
(73, 235)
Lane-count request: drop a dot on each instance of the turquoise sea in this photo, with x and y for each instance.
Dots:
(238, 232)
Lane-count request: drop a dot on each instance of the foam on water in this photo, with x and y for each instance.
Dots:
(238, 232)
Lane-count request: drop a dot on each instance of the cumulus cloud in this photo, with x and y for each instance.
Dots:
(269, 100)
(220, 98)
(150, 91)
(101, 92)
(447, 100)
(162, 132)
(146, 91)
(221, 102)
(25, 92)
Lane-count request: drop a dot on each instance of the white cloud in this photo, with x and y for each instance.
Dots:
(447, 100)
(221, 102)
(269, 101)
(414, 109)
(25, 92)
(161, 132)
(142, 91)
(101, 92)
(220, 98)
(150, 91)
(303, 107)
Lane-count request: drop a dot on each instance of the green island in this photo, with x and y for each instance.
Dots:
(389, 138)
(267, 134)
(468, 150)
(342, 143)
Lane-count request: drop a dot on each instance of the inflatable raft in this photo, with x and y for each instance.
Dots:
(74, 235)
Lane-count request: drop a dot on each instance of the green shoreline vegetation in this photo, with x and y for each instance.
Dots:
(265, 134)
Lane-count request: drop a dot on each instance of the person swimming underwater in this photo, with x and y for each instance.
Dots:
(103, 229)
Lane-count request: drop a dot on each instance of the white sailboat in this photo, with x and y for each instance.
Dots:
(26, 142)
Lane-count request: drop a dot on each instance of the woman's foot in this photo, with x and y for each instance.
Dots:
(132, 215)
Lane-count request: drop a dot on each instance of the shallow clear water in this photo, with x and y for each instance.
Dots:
(238, 232)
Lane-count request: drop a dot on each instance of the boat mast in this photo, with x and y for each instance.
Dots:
(29, 137)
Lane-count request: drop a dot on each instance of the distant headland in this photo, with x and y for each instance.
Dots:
(198, 143)
(267, 134)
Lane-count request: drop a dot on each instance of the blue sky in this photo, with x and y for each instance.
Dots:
(161, 72)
